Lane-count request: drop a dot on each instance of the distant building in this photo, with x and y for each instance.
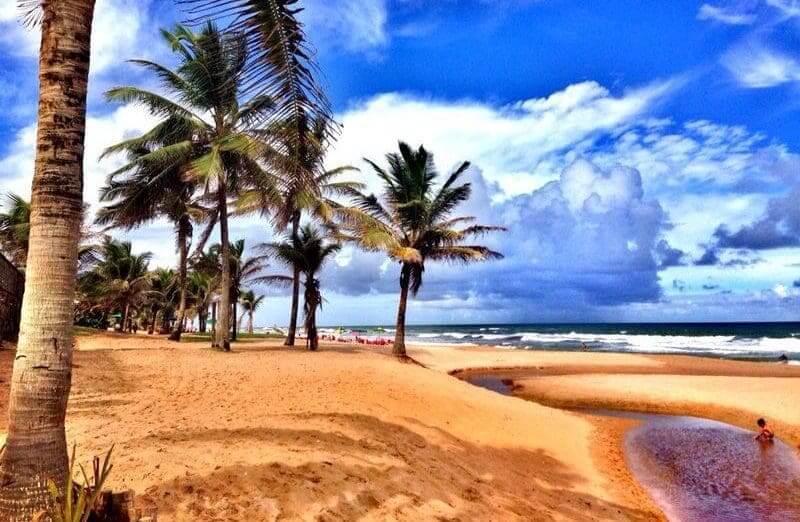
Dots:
(12, 284)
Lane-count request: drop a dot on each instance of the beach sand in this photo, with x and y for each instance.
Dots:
(272, 433)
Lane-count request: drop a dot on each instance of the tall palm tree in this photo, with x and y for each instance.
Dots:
(412, 224)
(138, 193)
(208, 136)
(297, 197)
(35, 447)
(250, 303)
(307, 250)
(15, 226)
(280, 68)
(243, 270)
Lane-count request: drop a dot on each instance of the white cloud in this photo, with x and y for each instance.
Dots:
(723, 15)
(117, 32)
(788, 8)
(756, 67)
(355, 25)
(519, 146)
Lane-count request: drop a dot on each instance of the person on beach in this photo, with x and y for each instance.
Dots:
(765, 434)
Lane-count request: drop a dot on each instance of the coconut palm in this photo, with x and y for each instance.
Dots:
(121, 279)
(139, 193)
(250, 303)
(208, 136)
(307, 250)
(201, 287)
(243, 271)
(297, 197)
(280, 68)
(160, 298)
(35, 447)
(15, 225)
(412, 223)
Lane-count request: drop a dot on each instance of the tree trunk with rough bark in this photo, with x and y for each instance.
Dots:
(399, 348)
(222, 339)
(36, 448)
(250, 322)
(183, 232)
(290, 335)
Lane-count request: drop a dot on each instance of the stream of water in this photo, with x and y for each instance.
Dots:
(700, 470)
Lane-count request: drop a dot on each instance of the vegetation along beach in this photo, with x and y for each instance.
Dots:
(391, 260)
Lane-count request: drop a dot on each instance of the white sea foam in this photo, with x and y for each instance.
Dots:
(724, 345)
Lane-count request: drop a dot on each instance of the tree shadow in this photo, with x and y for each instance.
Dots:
(387, 471)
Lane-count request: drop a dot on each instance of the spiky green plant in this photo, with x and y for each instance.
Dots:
(76, 501)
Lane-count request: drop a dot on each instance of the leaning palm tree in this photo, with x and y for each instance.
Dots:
(308, 250)
(15, 225)
(412, 223)
(280, 68)
(208, 136)
(250, 303)
(297, 197)
(139, 193)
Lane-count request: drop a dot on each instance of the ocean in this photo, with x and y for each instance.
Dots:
(760, 341)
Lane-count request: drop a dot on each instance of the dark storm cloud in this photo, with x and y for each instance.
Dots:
(779, 227)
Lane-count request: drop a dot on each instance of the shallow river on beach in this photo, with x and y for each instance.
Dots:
(703, 470)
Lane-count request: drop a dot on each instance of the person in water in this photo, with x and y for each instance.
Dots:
(764, 434)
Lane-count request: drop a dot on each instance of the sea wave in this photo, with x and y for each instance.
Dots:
(721, 345)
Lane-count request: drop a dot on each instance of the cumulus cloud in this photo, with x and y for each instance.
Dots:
(755, 66)
(724, 15)
(588, 239)
(778, 227)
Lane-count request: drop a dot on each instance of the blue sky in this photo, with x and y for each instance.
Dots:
(643, 155)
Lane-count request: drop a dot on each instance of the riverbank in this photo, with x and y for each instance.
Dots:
(267, 432)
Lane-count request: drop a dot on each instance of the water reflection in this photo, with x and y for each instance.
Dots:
(703, 470)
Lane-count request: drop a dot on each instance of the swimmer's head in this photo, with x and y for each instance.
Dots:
(761, 423)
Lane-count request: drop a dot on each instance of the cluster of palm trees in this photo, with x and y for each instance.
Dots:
(243, 128)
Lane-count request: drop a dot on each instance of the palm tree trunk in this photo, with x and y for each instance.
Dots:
(213, 321)
(183, 232)
(235, 317)
(250, 323)
(202, 318)
(295, 289)
(399, 348)
(125, 321)
(36, 448)
(223, 328)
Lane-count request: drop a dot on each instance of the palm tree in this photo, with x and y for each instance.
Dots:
(412, 223)
(250, 303)
(143, 193)
(35, 448)
(297, 197)
(201, 291)
(308, 250)
(243, 270)
(160, 297)
(121, 279)
(208, 136)
(15, 225)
